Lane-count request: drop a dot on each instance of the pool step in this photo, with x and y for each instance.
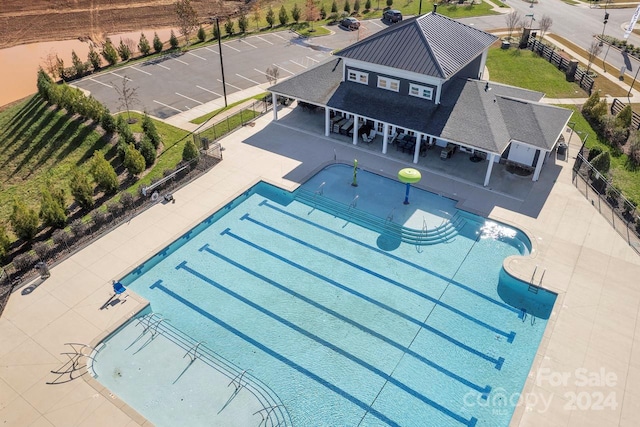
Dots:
(441, 234)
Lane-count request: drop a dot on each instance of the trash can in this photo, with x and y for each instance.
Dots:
(562, 149)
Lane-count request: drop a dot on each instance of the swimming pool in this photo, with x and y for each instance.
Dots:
(344, 307)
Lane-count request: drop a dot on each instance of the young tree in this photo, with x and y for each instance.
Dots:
(271, 17)
(545, 24)
(243, 23)
(173, 40)
(311, 12)
(94, 58)
(103, 173)
(109, 52)
(157, 43)
(295, 13)
(78, 65)
(334, 7)
(202, 35)
(52, 213)
(347, 7)
(133, 161)
(190, 151)
(592, 53)
(24, 221)
(228, 26)
(127, 96)
(143, 45)
(148, 151)
(283, 17)
(187, 18)
(81, 189)
(124, 51)
(356, 6)
(256, 14)
(150, 131)
(513, 20)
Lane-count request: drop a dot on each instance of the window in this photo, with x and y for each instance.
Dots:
(421, 91)
(389, 84)
(358, 77)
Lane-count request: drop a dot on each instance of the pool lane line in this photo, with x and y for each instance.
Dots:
(327, 344)
(508, 335)
(497, 362)
(395, 257)
(334, 388)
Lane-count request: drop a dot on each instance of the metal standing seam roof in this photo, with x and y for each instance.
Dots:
(430, 44)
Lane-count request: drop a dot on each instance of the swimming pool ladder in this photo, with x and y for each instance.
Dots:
(195, 350)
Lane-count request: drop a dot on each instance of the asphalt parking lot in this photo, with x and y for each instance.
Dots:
(176, 83)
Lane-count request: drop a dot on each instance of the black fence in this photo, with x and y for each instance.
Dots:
(580, 76)
(617, 106)
(612, 205)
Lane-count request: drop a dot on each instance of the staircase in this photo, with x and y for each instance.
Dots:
(419, 237)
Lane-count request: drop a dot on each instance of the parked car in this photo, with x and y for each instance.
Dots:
(351, 24)
(392, 16)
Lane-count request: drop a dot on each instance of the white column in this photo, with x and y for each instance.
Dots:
(355, 129)
(327, 121)
(274, 102)
(536, 173)
(492, 158)
(385, 137)
(416, 152)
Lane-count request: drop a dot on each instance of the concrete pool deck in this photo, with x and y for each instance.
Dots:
(588, 360)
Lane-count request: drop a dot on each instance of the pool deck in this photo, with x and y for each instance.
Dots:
(586, 371)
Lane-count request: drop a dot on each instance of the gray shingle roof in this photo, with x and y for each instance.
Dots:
(430, 44)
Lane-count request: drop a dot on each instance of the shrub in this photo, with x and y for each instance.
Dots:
(143, 45)
(202, 35)
(79, 228)
(24, 262)
(42, 250)
(5, 243)
(103, 173)
(283, 17)
(157, 43)
(52, 213)
(24, 221)
(81, 189)
(190, 151)
(133, 161)
(173, 40)
(148, 151)
(109, 53)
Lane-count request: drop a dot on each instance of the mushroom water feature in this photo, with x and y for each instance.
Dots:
(408, 176)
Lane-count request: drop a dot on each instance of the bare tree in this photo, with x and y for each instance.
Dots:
(127, 96)
(273, 74)
(187, 18)
(593, 52)
(545, 23)
(513, 20)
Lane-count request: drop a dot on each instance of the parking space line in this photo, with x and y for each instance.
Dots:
(214, 51)
(98, 81)
(190, 99)
(246, 78)
(166, 68)
(230, 47)
(314, 60)
(284, 69)
(142, 71)
(299, 65)
(182, 62)
(244, 41)
(207, 90)
(193, 54)
(122, 77)
(229, 84)
(263, 39)
(168, 106)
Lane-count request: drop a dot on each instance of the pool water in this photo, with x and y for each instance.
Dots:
(352, 313)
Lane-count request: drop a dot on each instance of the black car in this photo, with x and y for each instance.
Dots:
(392, 16)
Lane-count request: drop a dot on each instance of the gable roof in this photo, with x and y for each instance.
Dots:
(430, 44)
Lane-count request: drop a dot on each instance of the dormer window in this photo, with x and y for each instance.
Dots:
(389, 84)
(358, 77)
(421, 91)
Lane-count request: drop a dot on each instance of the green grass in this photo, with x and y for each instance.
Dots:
(528, 70)
(204, 118)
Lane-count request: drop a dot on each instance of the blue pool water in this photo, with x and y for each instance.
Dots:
(349, 318)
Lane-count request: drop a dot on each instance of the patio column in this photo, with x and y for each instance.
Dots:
(385, 137)
(492, 158)
(274, 102)
(416, 152)
(539, 163)
(327, 121)
(355, 129)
